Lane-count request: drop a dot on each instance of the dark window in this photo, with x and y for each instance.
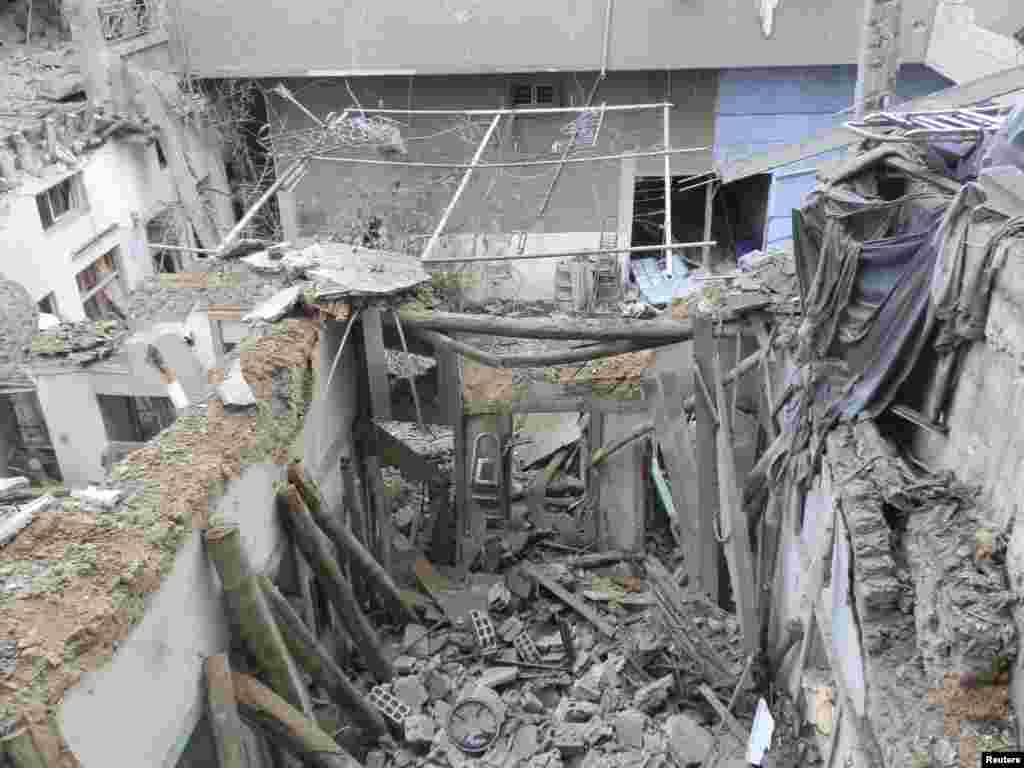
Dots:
(536, 95)
(99, 285)
(48, 304)
(59, 200)
(161, 158)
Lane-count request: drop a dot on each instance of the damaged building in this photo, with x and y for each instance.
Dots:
(318, 506)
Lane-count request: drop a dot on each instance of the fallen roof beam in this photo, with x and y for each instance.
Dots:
(511, 163)
(664, 331)
(536, 359)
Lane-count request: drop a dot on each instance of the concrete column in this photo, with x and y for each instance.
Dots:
(84, 21)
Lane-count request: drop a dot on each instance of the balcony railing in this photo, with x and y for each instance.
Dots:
(127, 19)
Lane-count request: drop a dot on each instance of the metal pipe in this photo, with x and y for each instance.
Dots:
(510, 163)
(461, 188)
(668, 191)
(565, 254)
(527, 111)
(607, 38)
(292, 173)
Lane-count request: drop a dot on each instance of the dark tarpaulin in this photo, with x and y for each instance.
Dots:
(865, 266)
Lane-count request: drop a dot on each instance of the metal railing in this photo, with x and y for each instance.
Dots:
(127, 19)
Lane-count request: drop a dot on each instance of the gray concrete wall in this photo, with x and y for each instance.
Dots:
(985, 445)
(496, 203)
(226, 38)
(161, 661)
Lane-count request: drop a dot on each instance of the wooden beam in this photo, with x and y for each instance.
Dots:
(559, 405)
(707, 466)
(319, 664)
(224, 720)
(376, 363)
(345, 542)
(303, 737)
(449, 382)
(316, 546)
(570, 600)
(603, 453)
(667, 331)
(672, 429)
(734, 522)
(251, 615)
(535, 359)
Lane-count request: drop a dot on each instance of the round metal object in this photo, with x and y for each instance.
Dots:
(474, 723)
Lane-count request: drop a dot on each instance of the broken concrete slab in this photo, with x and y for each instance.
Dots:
(416, 641)
(12, 486)
(235, 391)
(419, 730)
(688, 740)
(12, 524)
(652, 696)
(104, 498)
(498, 676)
(276, 307)
(410, 691)
(629, 728)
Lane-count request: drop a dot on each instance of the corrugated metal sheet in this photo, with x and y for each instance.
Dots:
(804, 102)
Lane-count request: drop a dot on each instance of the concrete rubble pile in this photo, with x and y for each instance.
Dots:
(591, 660)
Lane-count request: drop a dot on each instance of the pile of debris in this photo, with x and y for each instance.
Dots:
(600, 657)
(79, 343)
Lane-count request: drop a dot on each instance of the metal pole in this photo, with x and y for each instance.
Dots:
(509, 164)
(668, 192)
(526, 111)
(461, 188)
(567, 254)
(709, 213)
(292, 173)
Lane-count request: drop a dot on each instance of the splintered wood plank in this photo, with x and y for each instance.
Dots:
(570, 600)
(376, 363)
(672, 430)
(707, 464)
(734, 522)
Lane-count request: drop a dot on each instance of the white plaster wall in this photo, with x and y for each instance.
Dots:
(72, 414)
(532, 280)
(160, 663)
(140, 709)
(122, 180)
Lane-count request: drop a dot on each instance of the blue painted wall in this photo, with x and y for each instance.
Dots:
(759, 109)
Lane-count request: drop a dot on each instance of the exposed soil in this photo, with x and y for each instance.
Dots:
(628, 367)
(481, 383)
(101, 565)
(960, 705)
